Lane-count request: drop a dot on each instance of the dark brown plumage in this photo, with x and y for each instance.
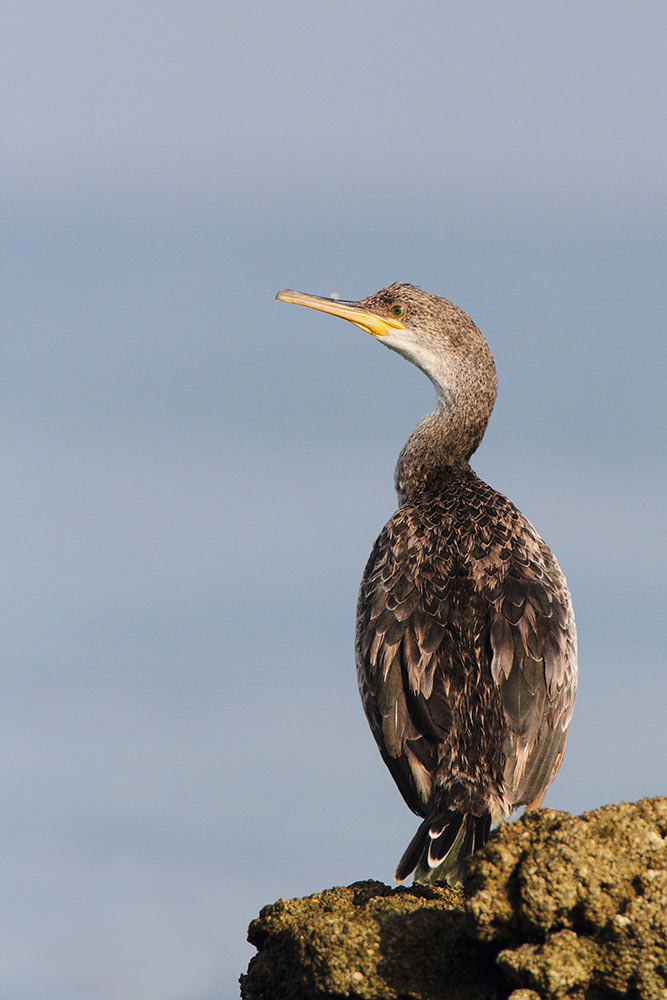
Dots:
(465, 642)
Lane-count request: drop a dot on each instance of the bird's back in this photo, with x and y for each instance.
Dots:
(466, 659)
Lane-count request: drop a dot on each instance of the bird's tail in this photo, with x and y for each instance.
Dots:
(443, 840)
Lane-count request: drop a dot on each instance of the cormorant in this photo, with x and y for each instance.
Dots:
(466, 646)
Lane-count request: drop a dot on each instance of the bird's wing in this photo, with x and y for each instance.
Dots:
(534, 660)
(403, 660)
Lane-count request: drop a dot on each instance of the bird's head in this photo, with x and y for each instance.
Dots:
(431, 332)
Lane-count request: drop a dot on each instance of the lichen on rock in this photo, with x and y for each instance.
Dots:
(556, 906)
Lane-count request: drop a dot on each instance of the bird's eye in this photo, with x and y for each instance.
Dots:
(397, 310)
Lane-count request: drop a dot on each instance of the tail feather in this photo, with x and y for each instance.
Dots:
(413, 852)
(443, 838)
(442, 841)
(482, 830)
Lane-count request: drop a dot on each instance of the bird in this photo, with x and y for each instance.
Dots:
(466, 646)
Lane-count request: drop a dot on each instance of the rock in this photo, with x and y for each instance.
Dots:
(369, 941)
(578, 903)
(556, 906)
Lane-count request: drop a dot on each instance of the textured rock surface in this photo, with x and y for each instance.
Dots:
(366, 940)
(578, 904)
(556, 906)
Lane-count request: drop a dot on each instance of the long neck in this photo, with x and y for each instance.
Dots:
(443, 440)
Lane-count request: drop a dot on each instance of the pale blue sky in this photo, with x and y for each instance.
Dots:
(195, 473)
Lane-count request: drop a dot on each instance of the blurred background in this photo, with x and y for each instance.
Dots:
(194, 473)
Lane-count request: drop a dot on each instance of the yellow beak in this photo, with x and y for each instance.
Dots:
(355, 312)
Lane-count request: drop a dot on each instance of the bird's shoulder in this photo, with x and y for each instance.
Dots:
(472, 531)
(457, 530)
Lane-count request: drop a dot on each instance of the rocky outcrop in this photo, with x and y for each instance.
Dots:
(366, 940)
(556, 906)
